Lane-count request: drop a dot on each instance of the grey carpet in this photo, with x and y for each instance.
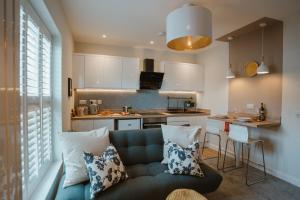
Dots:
(233, 187)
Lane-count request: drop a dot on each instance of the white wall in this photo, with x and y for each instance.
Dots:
(289, 161)
(52, 15)
(66, 40)
(215, 62)
(215, 97)
(282, 144)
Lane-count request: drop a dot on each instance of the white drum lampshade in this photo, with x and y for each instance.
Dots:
(189, 28)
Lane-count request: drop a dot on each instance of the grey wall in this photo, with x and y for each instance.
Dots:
(138, 100)
(261, 88)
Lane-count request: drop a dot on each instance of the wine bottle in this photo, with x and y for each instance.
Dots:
(262, 113)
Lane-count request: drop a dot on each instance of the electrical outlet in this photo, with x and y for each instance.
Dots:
(298, 115)
(250, 106)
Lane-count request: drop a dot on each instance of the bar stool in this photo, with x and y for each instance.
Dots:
(212, 128)
(241, 134)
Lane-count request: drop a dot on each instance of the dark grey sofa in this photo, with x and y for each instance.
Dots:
(141, 152)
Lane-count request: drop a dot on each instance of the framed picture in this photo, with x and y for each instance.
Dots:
(70, 89)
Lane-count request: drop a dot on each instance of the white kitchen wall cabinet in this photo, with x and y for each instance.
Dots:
(131, 73)
(111, 72)
(182, 76)
(92, 71)
(88, 125)
(105, 72)
(78, 71)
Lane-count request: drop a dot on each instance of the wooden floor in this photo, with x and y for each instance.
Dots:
(209, 153)
(233, 186)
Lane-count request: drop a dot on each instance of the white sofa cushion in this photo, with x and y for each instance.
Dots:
(181, 135)
(73, 145)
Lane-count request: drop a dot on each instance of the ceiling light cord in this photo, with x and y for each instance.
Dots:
(230, 38)
(262, 43)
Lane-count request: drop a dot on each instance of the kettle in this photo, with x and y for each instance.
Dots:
(93, 107)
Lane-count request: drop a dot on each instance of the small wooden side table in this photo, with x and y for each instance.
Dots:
(185, 194)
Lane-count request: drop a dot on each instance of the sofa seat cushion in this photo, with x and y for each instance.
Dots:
(151, 169)
(146, 181)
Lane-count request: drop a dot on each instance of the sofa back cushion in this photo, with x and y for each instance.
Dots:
(138, 146)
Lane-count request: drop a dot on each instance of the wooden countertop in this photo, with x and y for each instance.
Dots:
(138, 116)
(112, 116)
(252, 124)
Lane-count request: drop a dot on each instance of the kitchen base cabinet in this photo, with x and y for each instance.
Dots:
(88, 125)
(185, 121)
(82, 125)
(129, 124)
(198, 121)
(109, 123)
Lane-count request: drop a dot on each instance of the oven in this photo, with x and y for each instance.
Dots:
(153, 120)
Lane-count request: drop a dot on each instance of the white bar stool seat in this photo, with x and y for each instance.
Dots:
(241, 134)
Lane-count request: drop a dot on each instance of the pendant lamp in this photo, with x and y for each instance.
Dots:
(262, 68)
(189, 28)
(229, 73)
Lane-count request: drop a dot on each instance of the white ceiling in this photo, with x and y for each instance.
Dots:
(136, 22)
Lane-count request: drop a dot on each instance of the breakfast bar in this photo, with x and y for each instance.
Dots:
(251, 123)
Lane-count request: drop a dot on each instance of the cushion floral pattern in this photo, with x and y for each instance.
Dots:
(104, 171)
(184, 160)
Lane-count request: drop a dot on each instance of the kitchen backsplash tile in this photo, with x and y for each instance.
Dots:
(146, 99)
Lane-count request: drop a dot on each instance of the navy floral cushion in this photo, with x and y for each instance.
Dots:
(104, 171)
(184, 161)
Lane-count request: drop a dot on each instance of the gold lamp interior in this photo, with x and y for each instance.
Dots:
(189, 43)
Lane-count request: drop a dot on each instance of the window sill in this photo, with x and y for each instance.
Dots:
(46, 186)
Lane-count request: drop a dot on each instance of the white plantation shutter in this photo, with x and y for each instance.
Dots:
(35, 83)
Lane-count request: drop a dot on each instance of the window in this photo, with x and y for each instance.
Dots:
(36, 98)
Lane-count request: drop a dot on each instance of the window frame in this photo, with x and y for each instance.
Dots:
(29, 187)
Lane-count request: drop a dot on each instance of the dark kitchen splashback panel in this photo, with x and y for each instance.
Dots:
(139, 100)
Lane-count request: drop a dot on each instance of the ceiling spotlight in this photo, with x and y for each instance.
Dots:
(151, 42)
(104, 36)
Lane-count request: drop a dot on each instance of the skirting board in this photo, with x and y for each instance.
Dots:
(276, 173)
